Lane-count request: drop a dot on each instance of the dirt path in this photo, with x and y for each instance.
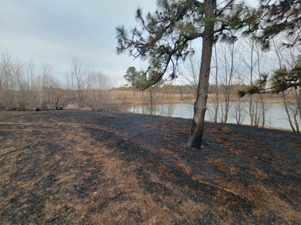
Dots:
(83, 167)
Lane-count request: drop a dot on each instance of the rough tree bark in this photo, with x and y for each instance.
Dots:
(198, 122)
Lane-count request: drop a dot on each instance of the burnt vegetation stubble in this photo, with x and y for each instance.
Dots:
(86, 167)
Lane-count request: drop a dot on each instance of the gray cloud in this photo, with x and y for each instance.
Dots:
(53, 31)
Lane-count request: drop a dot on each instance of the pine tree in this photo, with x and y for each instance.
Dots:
(279, 16)
(281, 80)
(165, 36)
(131, 75)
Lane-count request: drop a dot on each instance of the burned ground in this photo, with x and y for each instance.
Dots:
(84, 167)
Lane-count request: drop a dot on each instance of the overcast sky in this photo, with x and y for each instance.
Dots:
(52, 31)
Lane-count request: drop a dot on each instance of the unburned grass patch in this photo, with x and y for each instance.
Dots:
(221, 165)
(178, 161)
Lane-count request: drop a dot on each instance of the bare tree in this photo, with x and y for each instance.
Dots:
(77, 78)
(99, 87)
(216, 77)
(239, 111)
(13, 85)
(284, 81)
(254, 60)
(46, 92)
(240, 106)
(191, 73)
(150, 99)
(170, 92)
(289, 58)
(59, 94)
(228, 66)
(21, 88)
(32, 84)
(7, 81)
(250, 62)
(30, 74)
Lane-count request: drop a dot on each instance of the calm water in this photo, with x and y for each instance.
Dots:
(275, 116)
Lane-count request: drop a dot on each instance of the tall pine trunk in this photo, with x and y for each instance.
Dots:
(198, 122)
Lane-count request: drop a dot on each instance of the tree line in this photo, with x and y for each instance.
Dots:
(243, 69)
(24, 86)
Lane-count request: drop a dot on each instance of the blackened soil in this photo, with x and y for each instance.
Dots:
(84, 167)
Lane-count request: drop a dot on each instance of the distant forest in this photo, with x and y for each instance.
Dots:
(26, 86)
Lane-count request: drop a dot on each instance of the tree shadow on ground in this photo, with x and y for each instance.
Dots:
(81, 167)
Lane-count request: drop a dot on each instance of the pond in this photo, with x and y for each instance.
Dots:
(275, 115)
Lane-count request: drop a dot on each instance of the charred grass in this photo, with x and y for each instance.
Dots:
(82, 167)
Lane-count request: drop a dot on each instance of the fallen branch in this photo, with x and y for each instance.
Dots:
(219, 187)
(164, 132)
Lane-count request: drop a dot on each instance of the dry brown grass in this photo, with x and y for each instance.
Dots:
(221, 165)
(178, 161)
(92, 168)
